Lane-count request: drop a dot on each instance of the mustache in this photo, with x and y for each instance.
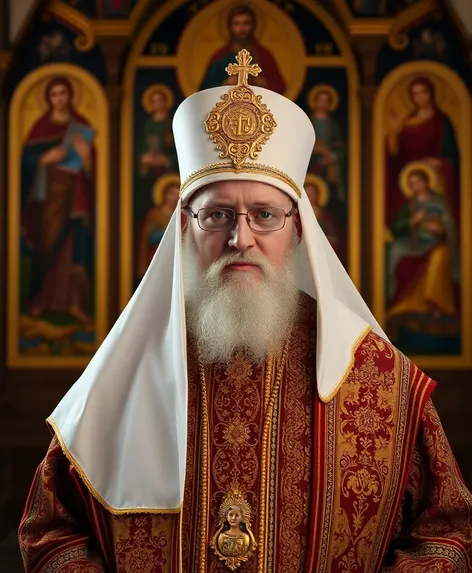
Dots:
(240, 257)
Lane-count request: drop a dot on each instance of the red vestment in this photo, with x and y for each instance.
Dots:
(365, 482)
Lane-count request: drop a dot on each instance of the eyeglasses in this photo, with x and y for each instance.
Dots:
(259, 219)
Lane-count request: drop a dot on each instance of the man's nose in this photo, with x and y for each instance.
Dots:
(242, 236)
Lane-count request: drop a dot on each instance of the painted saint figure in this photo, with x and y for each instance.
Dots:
(425, 135)
(423, 267)
(58, 194)
(241, 25)
(157, 142)
(329, 158)
(166, 197)
(318, 194)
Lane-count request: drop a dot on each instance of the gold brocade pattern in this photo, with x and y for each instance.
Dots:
(430, 558)
(296, 447)
(190, 505)
(235, 399)
(272, 510)
(75, 560)
(38, 539)
(453, 496)
(237, 430)
(143, 542)
(441, 527)
(371, 411)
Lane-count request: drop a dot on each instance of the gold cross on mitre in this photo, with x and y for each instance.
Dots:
(240, 123)
(243, 68)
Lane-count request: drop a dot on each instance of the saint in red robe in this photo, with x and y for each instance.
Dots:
(431, 140)
(58, 214)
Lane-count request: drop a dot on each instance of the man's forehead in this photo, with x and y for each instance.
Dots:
(235, 191)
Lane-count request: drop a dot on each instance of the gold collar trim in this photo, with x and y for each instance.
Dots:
(227, 167)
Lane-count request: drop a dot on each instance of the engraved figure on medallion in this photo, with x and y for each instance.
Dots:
(234, 541)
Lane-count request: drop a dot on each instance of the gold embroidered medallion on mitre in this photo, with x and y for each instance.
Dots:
(240, 124)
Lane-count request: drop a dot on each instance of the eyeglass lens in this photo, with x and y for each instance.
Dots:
(260, 219)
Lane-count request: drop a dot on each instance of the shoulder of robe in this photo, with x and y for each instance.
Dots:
(379, 363)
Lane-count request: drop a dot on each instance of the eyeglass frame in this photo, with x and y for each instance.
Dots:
(293, 211)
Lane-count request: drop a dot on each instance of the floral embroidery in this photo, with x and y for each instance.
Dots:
(371, 416)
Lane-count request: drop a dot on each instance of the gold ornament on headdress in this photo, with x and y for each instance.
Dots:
(234, 547)
(241, 123)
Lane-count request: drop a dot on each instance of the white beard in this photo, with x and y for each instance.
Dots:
(239, 315)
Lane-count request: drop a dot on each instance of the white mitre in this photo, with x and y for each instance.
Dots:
(124, 422)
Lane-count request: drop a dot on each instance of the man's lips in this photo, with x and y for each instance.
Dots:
(241, 266)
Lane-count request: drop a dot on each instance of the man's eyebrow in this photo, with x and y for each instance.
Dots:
(230, 204)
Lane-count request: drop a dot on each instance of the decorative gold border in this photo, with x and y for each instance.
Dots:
(398, 38)
(106, 27)
(136, 60)
(378, 215)
(88, 30)
(385, 26)
(347, 371)
(92, 490)
(367, 27)
(171, 61)
(14, 358)
(85, 40)
(225, 167)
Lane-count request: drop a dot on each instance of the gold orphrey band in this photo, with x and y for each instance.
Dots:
(271, 395)
(226, 167)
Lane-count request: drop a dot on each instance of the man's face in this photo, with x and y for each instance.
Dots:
(241, 287)
(59, 97)
(323, 102)
(158, 102)
(242, 27)
(421, 95)
(418, 184)
(241, 196)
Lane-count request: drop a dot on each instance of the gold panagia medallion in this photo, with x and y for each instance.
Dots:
(240, 124)
(234, 541)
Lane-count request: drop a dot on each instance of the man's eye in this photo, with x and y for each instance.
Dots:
(265, 215)
(218, 215)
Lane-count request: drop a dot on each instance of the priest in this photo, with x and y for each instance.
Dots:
(247, 412)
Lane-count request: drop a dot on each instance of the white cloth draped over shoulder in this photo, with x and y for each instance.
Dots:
(124, 422)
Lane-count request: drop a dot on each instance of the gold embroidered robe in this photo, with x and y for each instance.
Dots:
(364, 483)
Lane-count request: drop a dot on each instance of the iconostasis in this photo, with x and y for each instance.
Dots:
(93, 176)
